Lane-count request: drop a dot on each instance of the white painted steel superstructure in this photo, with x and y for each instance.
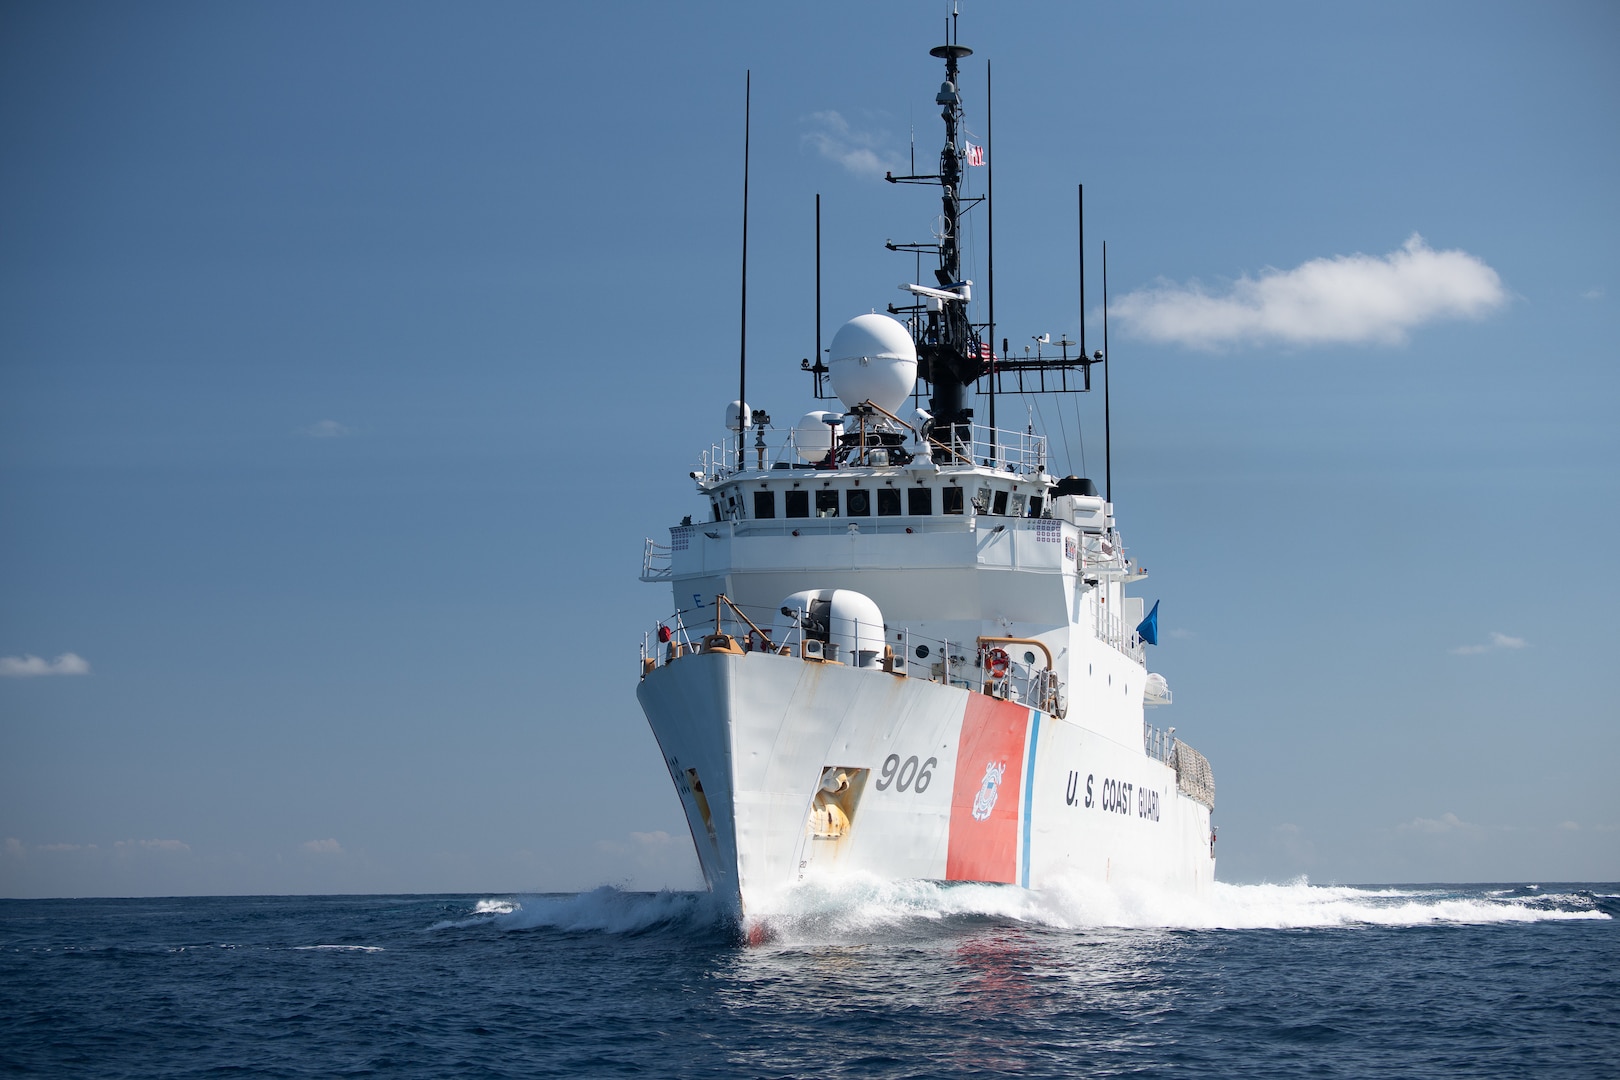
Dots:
(904, 647)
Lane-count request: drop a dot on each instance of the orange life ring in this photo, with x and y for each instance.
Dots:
(997, 663)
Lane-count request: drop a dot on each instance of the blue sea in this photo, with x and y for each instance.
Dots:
(866, 980)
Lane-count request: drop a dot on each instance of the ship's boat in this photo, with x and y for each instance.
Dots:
(901, 645)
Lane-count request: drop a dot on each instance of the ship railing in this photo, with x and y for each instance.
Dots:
(1102, 552)
(1026, 676)
(1159, 743)
(1022, 453)
(1111, 630)
(657, 561)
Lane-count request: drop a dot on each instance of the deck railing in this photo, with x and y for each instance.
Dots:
(955, 663)
(1021, 453)
(1159, 743)
(657, 561)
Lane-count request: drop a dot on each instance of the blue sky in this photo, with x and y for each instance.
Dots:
(347, 354)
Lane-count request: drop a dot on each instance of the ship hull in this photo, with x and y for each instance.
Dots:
(789, 770)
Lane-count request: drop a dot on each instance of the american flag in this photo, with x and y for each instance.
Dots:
(975, 154)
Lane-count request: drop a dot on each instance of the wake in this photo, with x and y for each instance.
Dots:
(865, 907)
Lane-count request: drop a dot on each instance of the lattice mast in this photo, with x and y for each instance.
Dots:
(953, 354)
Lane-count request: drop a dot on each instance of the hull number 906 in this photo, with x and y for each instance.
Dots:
(906, 774)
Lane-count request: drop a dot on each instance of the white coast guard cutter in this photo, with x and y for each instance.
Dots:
(902, 646)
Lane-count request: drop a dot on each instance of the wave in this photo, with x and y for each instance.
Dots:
(860, 907)
(1301, 905)
(607, 909)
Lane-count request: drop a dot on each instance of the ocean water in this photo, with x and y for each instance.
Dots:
(863, 980)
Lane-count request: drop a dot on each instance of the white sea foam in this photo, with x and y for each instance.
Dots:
(614, 911)
(861, 907)
(853, 905)
(339, 948)
(605, 909)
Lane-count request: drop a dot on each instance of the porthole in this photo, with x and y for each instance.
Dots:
(922, 652)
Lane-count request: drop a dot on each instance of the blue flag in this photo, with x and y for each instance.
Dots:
(1148, 628)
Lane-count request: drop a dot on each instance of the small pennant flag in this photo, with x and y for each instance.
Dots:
(1148, 628)
(975, 154)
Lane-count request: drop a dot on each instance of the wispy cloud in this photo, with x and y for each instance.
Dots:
(1593, 293)
(864, 153)
(125, 846)
(1344, 299)
(322, 847)
(1498, 641)
(22, 667)
(1445, 823)
(326, 429)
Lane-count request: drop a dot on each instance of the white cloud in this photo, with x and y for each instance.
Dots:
(326, 429)
(1445, 823)
(151, 845)
(863, 153)
(323, 847)
(21, 667)
(1498, 641)
(1593, 293)
(1337, 300)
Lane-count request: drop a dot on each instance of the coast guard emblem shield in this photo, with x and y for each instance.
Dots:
(985, 792)
(986, 800)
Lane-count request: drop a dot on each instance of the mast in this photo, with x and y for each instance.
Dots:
(952, 350)
(742, 358)
(1108, 377)
(947, 337)
(990, 244)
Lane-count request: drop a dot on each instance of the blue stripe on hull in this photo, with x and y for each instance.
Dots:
(1029, 789)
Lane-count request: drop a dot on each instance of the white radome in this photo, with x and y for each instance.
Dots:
(813, 437)
(873, 359)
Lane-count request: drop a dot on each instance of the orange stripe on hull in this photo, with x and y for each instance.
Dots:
(986, 797)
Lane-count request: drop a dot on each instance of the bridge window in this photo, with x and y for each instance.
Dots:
(888, 502)
(764, 504)
(1035, 504)
(797, 503)
(999, 506)
(858, 502)
(952, 499)
(1018, 505)
(919, 501)
(827, 503)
